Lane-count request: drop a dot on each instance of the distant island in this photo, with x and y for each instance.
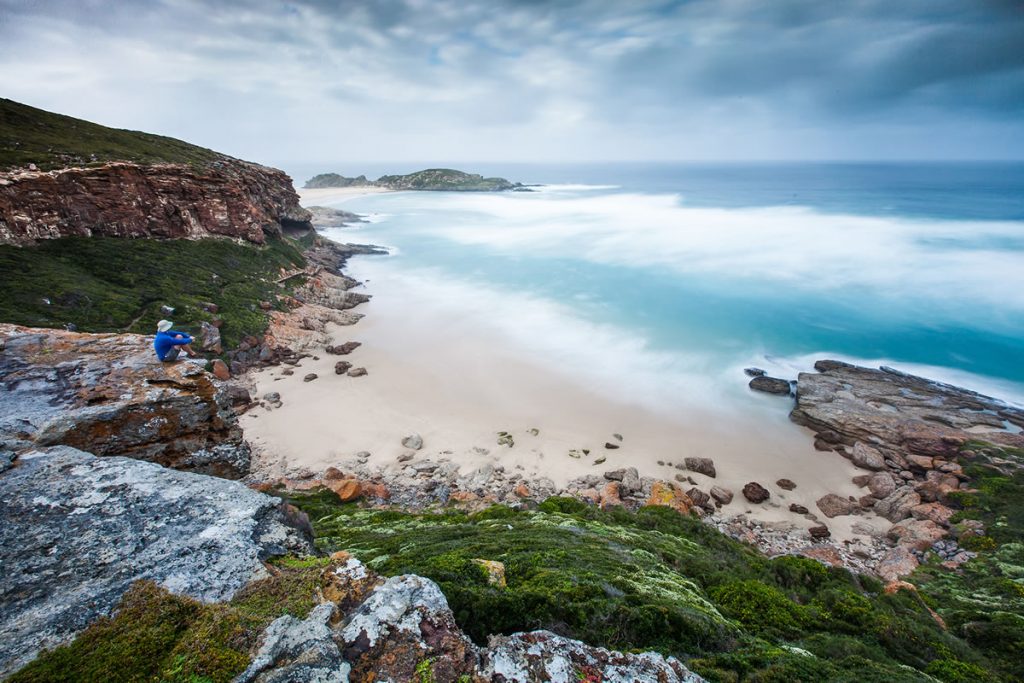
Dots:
(431, 179)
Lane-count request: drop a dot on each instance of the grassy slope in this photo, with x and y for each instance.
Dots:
(106, 284)
(654, 579)
(30, 135)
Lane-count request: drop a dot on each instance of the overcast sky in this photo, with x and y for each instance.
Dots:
(575, 80)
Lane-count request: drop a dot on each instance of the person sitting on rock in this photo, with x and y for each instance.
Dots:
(169, 343)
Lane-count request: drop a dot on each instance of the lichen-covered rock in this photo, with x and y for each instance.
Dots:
(298, 650)
(229, 198)
(76, 530)
(109, 394)
(897, 563)
(544, 656)
(667, 494)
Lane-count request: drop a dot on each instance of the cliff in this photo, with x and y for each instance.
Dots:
(107, 182)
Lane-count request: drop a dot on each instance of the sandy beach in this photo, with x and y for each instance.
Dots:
(457, 384)
(332, 195)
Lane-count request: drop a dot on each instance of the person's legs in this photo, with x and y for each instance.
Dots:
(172, 354)
(187, 348)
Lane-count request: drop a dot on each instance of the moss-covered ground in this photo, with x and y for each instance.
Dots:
(654, 579)
(49, 140)
(109, 284)
(157, 636)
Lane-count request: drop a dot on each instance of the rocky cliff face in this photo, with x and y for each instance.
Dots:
(227, 198)
(108, 394)
(77, 530)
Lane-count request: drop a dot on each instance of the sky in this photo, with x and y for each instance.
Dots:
(311, 81)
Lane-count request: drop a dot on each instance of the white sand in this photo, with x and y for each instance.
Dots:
(458, 385)
(330, 195)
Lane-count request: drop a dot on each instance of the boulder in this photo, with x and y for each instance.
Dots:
(705, 466)
(754, 372)
(786, 484)
(755, 493)
(357, 372)
(798, 509)
(667, 494)
(310, 377)
(866, 457)
(631, 484)
(897, 563)
(897, 505)
(109, 395)
(209, 337)
(298, 650)
(833, 505)
(881, 485)
(771, 385)
(220, 371)
(343, 349)
(347, 490)
(936, 512)
(918, 534)
(611, 496)
(721, 494)
(819, 533)
(76, 530)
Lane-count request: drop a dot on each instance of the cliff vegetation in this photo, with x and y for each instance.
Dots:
(49, 140)
(109, 284)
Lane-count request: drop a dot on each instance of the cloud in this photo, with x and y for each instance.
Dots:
(579, 79)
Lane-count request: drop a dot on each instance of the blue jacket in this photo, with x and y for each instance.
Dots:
(165, 340)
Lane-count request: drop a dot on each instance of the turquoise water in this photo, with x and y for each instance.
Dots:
(682, 275)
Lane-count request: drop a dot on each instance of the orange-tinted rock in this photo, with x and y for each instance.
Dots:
(666, 494)
(824, 553)
(592, 496)
(220, 370)
(346, 489)
(376, 490)
(522, 490)
(610, 496)
(936, 512)
(463, 497)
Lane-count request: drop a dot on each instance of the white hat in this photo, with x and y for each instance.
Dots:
(164, 325)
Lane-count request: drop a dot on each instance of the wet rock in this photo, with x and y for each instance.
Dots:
(833, 505)
(866, 457)
(195, 535)
(754, 372)
(786, 484)
(109, 395)
(705, 466)
(771, 385)
(611, 446)
(413, 441)
(721, 494)
(341, 367)
(755, 493)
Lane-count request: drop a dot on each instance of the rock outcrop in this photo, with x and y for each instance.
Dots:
(109, 395)
(402, 629)
(224, 198)
(76, 530)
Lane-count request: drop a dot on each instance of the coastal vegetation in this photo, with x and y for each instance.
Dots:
(111, 284)
(654, 579)
(34, 136)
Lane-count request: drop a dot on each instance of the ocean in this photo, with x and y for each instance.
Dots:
(659, 283)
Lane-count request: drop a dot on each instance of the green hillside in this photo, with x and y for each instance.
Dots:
(30, 135)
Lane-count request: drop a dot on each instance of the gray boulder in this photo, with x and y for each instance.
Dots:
(76, 530)
(298, 650)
